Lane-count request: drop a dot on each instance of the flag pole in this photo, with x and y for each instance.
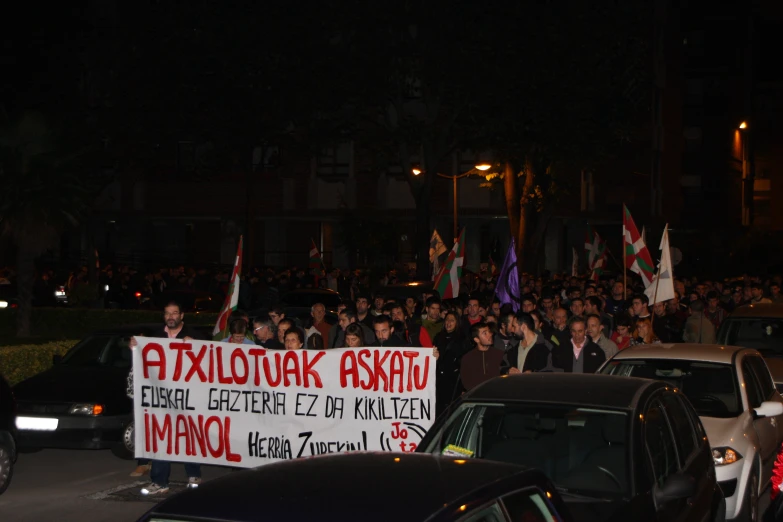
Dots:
(625, 273)
(658, 278)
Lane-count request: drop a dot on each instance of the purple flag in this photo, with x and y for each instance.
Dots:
(507, 288)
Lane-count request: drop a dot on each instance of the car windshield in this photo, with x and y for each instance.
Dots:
(711, 387)
(582, 450)
(100, 350)
(761, 333)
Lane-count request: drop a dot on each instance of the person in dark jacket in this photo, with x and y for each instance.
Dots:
(586, 355)
(384, 332)
(174, 328)
(451, 346)
(483, 362)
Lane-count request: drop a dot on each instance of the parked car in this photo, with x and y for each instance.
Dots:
(8, 297)
(371, 486)
(616, 449)
(733, 393)
(81, 401)
(757, 326)
(7, 435)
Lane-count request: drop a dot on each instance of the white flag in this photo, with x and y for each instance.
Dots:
(662, 286)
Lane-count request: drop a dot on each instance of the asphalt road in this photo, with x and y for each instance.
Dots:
(88, 486)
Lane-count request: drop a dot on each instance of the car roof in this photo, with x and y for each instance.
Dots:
(759, 310)
(591, 389)
(343, 487)
(717, 353)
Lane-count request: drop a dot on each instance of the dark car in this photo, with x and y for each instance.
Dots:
(7, 438)
(371, 486)
(616, 448)
(81, 401)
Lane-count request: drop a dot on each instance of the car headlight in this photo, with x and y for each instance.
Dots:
(86, 409)
(3, 304)
(723, 456)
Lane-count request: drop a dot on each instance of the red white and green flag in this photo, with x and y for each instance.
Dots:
(447, 280)
(316, 263)
(232, 299)
(637, 255)
(595, 247)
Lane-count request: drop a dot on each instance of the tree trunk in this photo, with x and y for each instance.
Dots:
(534, 245)
(25, 272)
(512, 199)
(525, 207)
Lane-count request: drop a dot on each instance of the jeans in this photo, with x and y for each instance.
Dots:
(142, 462)
(161, 470)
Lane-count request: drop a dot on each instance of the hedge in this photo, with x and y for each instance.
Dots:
(20, 362)
(75, 323)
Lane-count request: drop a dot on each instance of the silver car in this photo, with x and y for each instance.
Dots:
(732, 391)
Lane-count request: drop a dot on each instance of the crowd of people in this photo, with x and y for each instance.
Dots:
(558, 324)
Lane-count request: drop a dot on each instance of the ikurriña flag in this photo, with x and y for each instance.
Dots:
(637, 255)
(448, 279)
(232, 299)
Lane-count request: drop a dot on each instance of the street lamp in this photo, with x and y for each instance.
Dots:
(743, 125)
(481, 167)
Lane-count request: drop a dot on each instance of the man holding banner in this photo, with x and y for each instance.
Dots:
(239, 406)
(175, 328)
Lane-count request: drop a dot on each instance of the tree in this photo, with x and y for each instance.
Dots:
(587, 92)
(532, 81)
(43, 194)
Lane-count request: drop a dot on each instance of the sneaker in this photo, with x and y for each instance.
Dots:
(141, 470)
(154, 489)
(193, 482)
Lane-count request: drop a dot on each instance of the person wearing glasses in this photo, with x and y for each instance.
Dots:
(265, 333)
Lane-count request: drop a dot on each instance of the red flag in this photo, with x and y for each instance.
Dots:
(232, 299)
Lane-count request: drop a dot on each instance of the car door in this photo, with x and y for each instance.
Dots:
(694, 458)
(663, 460)
(769, 391)
(765, 427)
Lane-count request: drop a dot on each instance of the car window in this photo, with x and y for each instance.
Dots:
(491, 513)
(760, 333)
(528, 505)
(88, 352)
(712, 388)
(752, 387)
(117, 354)
(584, 450)
(659, 444)
(698, 428)
(763, 376)
(684, 435)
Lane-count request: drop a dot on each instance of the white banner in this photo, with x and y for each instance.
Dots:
(244, 406)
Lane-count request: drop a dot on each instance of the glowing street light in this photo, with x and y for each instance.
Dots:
(483, 166)
(743, 125)
(416, 172)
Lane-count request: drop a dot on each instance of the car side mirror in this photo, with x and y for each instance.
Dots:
(57, 359)
(769, 409)
(676, 487)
